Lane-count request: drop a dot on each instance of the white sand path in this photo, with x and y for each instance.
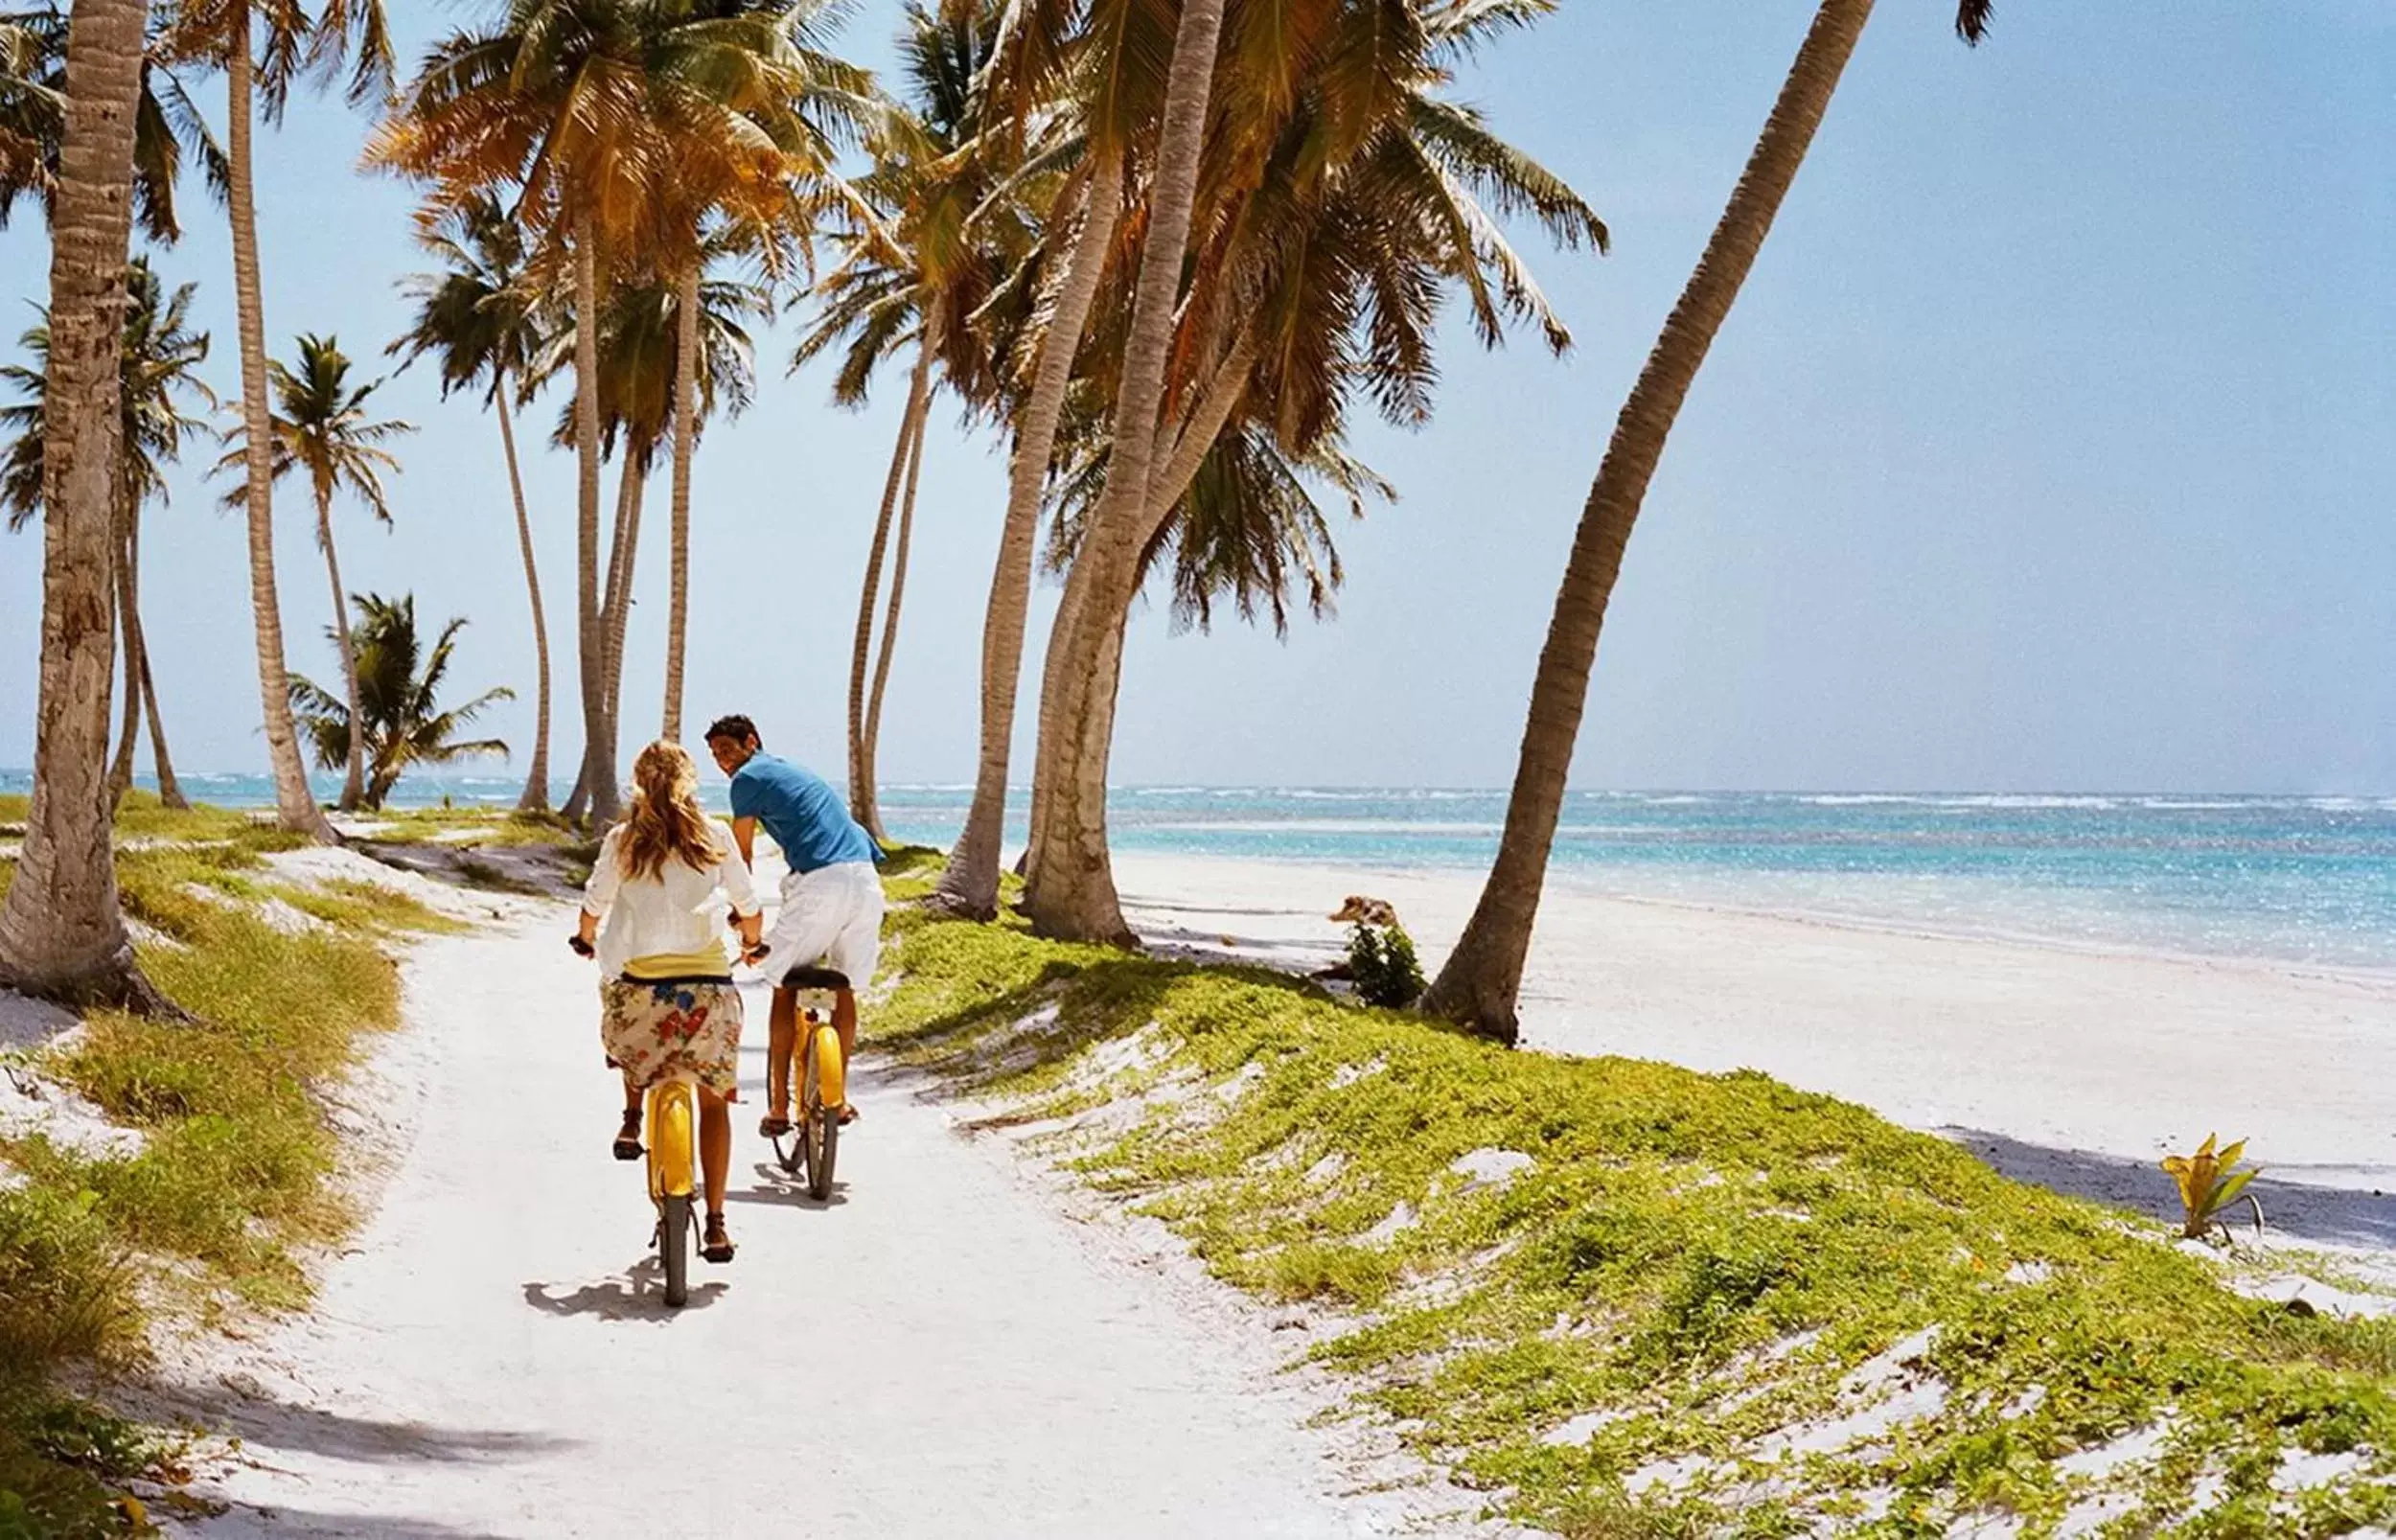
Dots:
(939, 1352)
(2073, 1067)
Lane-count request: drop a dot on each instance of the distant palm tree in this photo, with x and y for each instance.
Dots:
(927, 245)
(640, 396)
(62, 934)
(399, 690)
(320, 427)
(157, 373)
(265, 48)
(482, 317)
(1480, 981)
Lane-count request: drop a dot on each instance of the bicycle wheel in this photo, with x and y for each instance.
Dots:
(827, 1085)
(673, 1246)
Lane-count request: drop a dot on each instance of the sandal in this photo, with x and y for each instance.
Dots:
(714, 1245)
(848, 1113)
(628, 1138)
(774, 1126)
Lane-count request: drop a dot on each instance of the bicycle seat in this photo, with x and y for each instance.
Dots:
(812, 977)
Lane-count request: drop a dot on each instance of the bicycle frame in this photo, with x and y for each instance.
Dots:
(816, 1076)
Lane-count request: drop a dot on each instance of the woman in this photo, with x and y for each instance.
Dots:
(667, 1005)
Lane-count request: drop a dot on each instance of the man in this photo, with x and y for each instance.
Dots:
(831, 899)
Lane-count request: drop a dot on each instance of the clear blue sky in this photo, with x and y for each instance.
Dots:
(2051, 446)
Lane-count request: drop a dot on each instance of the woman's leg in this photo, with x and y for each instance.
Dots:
(715, 1145)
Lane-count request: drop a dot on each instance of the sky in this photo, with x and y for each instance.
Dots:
(2050, 446)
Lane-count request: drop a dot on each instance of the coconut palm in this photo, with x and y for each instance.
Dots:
(620, 126)
(266, 48)
(321, 427)
(481, 318)
(32, 118)
(1481, 979)
(927, 245)
(158, 371)
(63, 934)
(399, 701)
(639, 391)
(1333, 230)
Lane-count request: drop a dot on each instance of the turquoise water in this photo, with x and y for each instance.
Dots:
(2294, 879)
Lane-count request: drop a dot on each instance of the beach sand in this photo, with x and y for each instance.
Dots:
(2076, 1069)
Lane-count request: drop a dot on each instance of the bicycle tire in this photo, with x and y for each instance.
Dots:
(827, 1150)
(673, 1246)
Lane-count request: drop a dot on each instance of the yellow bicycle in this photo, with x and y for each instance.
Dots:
(819, 1077)
(670, 1114)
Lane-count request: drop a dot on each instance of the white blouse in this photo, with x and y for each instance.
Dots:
(677, 912)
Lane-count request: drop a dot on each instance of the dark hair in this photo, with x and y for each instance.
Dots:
(737, 728)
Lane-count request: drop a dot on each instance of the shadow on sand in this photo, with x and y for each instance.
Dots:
(267, 1521)
(2361, 1212)
(635, 1293)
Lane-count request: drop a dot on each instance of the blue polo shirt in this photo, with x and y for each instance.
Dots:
(806, 818)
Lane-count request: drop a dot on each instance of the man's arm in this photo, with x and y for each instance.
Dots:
(744, 836)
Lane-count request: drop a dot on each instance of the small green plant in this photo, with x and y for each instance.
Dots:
(1381, 961)
(2208, 1184)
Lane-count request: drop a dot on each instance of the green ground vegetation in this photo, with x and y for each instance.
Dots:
(1629, 1299)
(230, 1183)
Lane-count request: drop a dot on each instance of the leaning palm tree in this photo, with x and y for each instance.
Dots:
(399, 704)
(265, 48)
(481, 316)
(63, 934)
(321, 427)
(1481, 979)
(1335, 228)
(158, 371)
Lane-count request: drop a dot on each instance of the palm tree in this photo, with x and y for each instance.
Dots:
(1333, 226)
(321, 427)
(33, 119)
(1481, 979)
(264, 47)
(926, 250)
(63, 934)
(156, 371)
(619, 126)
(481, 316)
(398, 701)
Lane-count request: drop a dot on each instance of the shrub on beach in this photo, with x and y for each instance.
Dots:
(1627, 1299)
(1381, 962)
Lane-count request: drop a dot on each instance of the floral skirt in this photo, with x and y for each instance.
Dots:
(652, 1031)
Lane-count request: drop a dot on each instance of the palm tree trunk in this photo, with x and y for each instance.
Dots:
(169, 790)
(631, 493)
(1070, 890)
(862, 802)
(898, 591)
(128, 731)
(536, 797)
(969, 883)
(685, 444)
(61, 934)
(1481, 979)
(599, 746)
(354, 784)
(294, 802)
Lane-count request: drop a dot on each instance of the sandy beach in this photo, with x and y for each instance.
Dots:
(2073, 1067)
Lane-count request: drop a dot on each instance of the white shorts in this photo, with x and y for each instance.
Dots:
(831, 915)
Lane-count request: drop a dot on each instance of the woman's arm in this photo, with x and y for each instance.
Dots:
(733, 877)
(607, 879)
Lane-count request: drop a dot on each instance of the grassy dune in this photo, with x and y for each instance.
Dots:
(1627, 1298)
(231, 1177)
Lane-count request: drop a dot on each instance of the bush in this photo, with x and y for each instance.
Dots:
(1381, 961)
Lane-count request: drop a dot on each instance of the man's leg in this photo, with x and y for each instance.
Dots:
(781, 1036)
(845, 1022)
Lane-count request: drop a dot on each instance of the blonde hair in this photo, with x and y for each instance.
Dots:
(665, 821)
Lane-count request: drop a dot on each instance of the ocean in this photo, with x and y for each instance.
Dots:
(2300, 880)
